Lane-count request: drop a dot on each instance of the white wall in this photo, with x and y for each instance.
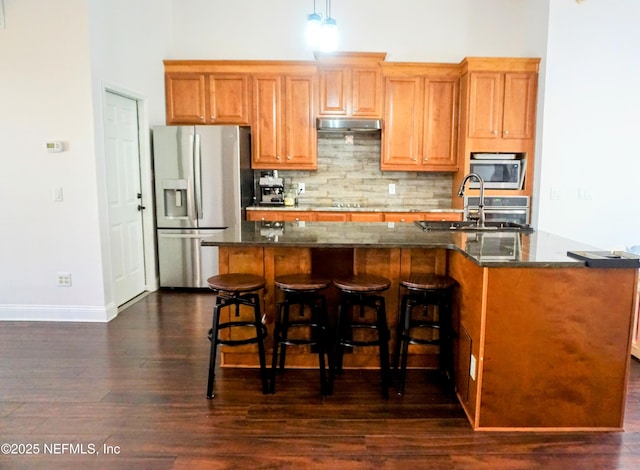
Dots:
(408, 30)
(45, 91)
(591, 124)
(49, 77)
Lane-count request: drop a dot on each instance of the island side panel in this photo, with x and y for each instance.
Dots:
(557, 348)
(468, 325)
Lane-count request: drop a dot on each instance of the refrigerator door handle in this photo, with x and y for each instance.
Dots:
(198, 176)
(191, 187)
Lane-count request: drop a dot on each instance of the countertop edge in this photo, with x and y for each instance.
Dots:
(312, 208)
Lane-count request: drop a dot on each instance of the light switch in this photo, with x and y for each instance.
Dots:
(57, 194)
(392, 188)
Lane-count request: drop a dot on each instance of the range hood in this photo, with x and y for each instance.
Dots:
(348, 124)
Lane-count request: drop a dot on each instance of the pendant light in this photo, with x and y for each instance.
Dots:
(329, 32)
(314, 28)
(322, 34)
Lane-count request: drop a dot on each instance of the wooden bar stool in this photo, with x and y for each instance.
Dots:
(359, 293)
(306, 327)
(237, 289)
(425, 290)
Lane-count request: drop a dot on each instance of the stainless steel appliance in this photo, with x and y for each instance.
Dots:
(502, 171)
(498, 208)
(348, 124)
(203, 183)
(271, 189)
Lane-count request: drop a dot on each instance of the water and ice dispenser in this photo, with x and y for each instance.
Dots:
(175, 198)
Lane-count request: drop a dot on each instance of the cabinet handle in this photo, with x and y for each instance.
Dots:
(202, 118)
(495, 132)
(278, 157)
(506, 132)
(288, 157)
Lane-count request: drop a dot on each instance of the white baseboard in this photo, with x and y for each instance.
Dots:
(58, 313)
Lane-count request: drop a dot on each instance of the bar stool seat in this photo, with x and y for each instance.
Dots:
(359, 293)
(425, 290)
(309, 327)
(237, 289)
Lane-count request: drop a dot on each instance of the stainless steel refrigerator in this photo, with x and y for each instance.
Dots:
(203, 183)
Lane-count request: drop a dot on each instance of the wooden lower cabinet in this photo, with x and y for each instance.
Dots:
(534, 350)
(331, 216)
(366, 217)
(413, 216)
(347, 216)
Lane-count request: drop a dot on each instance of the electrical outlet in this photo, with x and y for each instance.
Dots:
(300, 188)
(64, 279)
(348, 139)
(473, 366)
(392, 188)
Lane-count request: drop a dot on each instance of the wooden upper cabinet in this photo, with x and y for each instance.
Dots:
(284, 131)
(334, 91)
(350, 84)
(202, 98)
(229, 99)
(351, 91)
(502, 105)
(185, 98)
(421, 123)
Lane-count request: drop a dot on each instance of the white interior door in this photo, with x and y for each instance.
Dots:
(122, 154)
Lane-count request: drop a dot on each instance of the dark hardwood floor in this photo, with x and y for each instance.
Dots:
(137, 386)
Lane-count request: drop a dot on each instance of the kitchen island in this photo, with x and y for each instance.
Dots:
(541, 340)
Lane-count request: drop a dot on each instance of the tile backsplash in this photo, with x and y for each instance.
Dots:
(350, 174)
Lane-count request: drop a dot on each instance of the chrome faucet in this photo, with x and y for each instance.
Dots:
(480, 222)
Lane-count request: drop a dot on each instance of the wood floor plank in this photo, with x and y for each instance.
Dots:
(138, 384)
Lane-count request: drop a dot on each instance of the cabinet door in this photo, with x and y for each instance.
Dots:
(253, 216)
(441, 124)
(267, 121)
(334, 91)
(228, 99)
(519, 105)
(485, 106)
(366, 92)
(332, 216)
(403, 123)
(299, 115)
(402, 216)
(185, 98)
(367, 217)
(305, 216)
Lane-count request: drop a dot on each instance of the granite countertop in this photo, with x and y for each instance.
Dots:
(346, 208)
(501, 249)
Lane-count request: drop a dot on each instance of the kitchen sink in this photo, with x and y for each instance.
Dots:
(472, 226)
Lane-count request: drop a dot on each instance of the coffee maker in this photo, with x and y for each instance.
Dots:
(271, 189)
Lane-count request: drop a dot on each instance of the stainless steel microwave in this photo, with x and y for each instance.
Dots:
(499, 174)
